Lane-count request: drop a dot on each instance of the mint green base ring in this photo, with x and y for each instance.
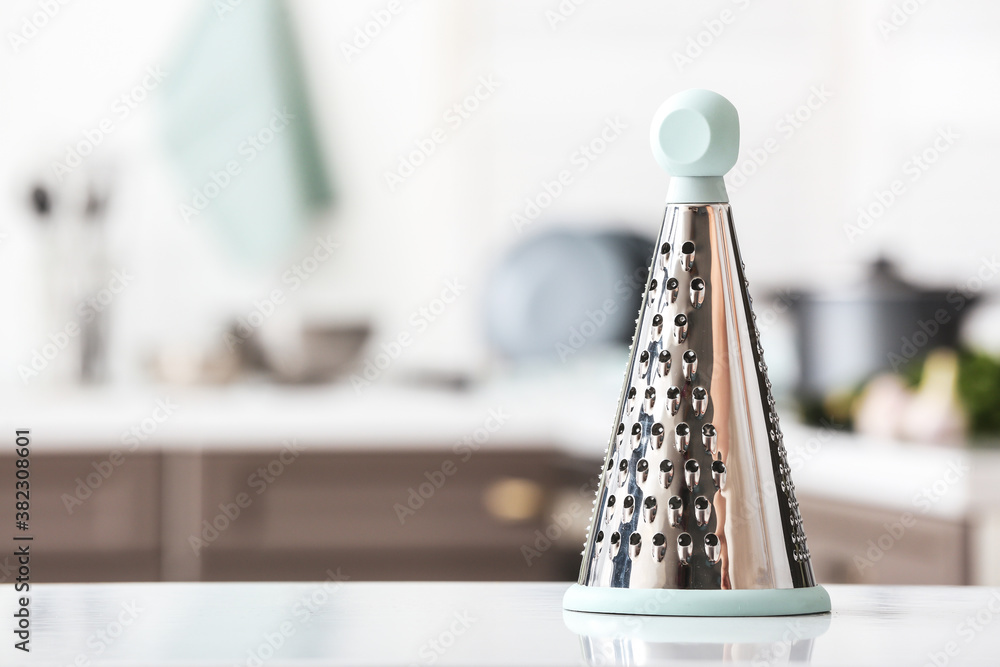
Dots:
(675, 602)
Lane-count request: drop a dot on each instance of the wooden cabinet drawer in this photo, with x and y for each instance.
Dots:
(868, 545)
(354, 501)
(90, 524)
(77, 507)
(323, 511)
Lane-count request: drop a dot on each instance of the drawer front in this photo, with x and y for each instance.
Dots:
(392, 516)
(865, 545)
(384, 501)
(87, 504)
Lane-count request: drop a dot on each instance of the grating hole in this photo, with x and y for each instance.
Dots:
(681, 320)
(657, 320)
(699, 393)
(684, 540)
(629, 502)
(690, 356)
(657, 429)
(691, 465)
(675, 502)
(687, 248)
(600, 536)
(659, 540)
(642, 465)
(623, 466)
(664, 249)
(650, 396)
(701, 503)
(708, 430)
(634, 539)
(672, 284)
(666, 465)
(712, 549)
(697, 284)
(673, 393)
(682, 429)
(611, 501)
(649, 502)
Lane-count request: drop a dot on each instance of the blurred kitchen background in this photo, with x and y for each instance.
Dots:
(303, 289)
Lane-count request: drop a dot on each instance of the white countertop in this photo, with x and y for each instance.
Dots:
(336, 623)
(569, 412)
(562, 413)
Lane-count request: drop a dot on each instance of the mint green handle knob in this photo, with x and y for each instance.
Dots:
(695, 137)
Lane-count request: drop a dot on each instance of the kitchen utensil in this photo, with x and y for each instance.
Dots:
(849, 334)
(93, 248)
(695, 513)
(74, 269)
(564, 291)
(310, 352)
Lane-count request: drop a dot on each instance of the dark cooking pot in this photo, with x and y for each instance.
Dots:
(846, 336)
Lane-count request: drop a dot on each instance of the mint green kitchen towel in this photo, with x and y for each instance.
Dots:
(237, 122)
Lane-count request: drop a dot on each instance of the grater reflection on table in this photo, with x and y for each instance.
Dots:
(695, 512)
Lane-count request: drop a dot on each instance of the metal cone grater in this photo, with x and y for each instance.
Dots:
(695, 512)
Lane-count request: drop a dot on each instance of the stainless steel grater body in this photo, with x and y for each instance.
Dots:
(695, 491)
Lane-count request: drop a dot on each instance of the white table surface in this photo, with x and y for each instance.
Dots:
(354, 623)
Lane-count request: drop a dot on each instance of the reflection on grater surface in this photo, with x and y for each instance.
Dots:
(695, 491)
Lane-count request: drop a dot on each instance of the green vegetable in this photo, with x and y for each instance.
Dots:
(979, 389)
(978, 393)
